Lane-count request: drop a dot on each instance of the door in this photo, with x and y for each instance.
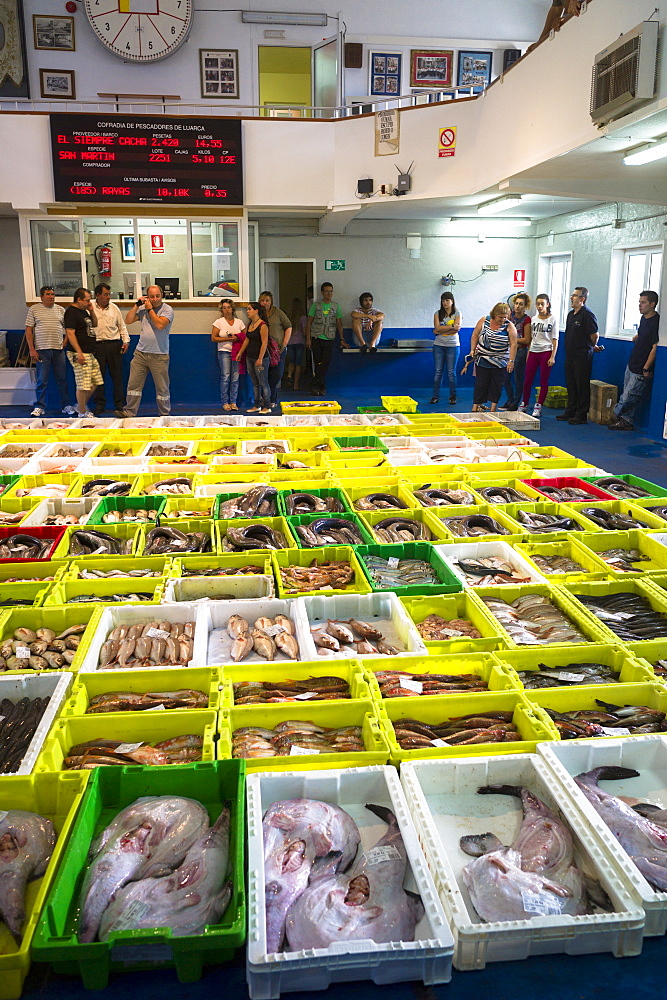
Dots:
(288, 279)
(285, 80)
(326, 75)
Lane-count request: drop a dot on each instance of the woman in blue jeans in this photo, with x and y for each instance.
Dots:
(255, 349)
(446, 325)
(225, 333)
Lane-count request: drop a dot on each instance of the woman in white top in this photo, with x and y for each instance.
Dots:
(225, 331)
(446, 326)
(541, 353)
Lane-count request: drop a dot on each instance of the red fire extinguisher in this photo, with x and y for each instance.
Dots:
(103, 258)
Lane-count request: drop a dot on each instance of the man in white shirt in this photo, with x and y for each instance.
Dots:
(152, 353)
(45, 336)
(112, 341)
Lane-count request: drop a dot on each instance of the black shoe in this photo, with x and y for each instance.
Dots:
(452, 400)
(433, 400)
(577, 420)
(363, 348)
(563, 416)
(621, 425)
(372, 350)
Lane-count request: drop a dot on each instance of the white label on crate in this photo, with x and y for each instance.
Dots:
(129, 954)
(305, 696)
(99, 550)
(23, 652)
(440, 743)
(155, 708)
(393, 562)
(2, 718)
(3, 815)
(535, 902)
(619, 731)
(274, 629)
(157, 633)
(450, 633)
(378, 854)
(301, 751)
(128, 747)
(573, 678)
(415, 686)
(130, 916)
(328, 587)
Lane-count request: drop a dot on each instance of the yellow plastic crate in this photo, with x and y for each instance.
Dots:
(520, 485)
(486, 666)
(629, 667)
(307, 439)
(130, 531)
(309, 557)
(416, 503)
(134, 446)
(437, 515)
(423, 515)
(329, 716)
(562, 599)
(57, 618)
(70, 479)
(582, 699)
(130, 727)
(648, 653)
(105, 592)
(574, 512)
(230, 560)
(465, 606)
(201, 506)
(350, 670)
(315, 406)
(399, 404)
(88, 686)
(149, 478)
(275, 523)
(592, 568)
(492, 471)
(56, 797)
(296, 478)
(653, 594)
(75, 567)
(354, 493)
(655, 554)
(652, 521)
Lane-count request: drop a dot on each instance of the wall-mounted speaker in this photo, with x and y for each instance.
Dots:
(354, 55)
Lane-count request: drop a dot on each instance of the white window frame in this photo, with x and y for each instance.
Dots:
(617, 282)
(544, 279)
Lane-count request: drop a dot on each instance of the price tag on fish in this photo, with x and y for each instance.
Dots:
(128, 747)
(301, 751)
(22, 652)
(378, 854)
(273, 630)
(305, 696)
(131, 916)
(393, 562)
(572, 678)
(3, 814)
(618, 731)
(543, 904)
(155, 708)
(328, 587)
(415, 686)
(157, 633)
(439, 743)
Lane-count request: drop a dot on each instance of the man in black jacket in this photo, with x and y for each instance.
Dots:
(581, 337)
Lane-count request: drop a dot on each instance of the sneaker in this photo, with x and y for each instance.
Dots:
(266, 409)
(253, 409)
(433, 400)
(69, 410)
(38, 412)
(89, 415)
(537, 409)
(521, 408)
(452, 400)
(621, 425)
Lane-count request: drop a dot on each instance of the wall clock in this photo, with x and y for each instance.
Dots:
(140, 30)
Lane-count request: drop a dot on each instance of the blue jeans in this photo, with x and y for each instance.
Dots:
(51, 361)
(634, 390)
(259, 376)
(445, 356)
(515, 379)
(229, 377)
(275, 377)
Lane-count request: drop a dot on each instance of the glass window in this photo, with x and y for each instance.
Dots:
(56, 255)
(215, 258)
(162, 256)
(559, 287)
(642, 271)
(109, 254)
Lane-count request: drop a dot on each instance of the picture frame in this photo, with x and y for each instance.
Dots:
(385, 74)
(53, 33)
(57, 83)
(128, 250)
(431, 67)
(474, 69)
(219, 73)
(14, 79)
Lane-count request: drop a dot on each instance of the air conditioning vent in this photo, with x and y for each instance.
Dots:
(624, 73)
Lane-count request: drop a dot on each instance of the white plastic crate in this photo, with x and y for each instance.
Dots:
(223, 420)
(445, 441)
(428, 958)
(444, 804)
(114, 465)
(191, 421)
(386, 419)
(168, 442)
(308, 420)
(96, 423)
(401, 443)
(250, 446)
(81, 508)
(55, 687)
(517, 421)
(396, 626)
(219, 588)
(129, 614)
(646, 754)
(478, 417)
(486, 550)
(348, 420)
(139, 423)
(217, 614)
(212, 489)
(408, 457)
(14, 466)
(49, 466)
(80, 449)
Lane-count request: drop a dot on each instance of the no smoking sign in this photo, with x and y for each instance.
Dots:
(447, 141)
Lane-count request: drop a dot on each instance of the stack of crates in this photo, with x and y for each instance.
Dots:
(556, 396)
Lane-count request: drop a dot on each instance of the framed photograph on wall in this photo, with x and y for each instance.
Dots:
(57, 83)
(474, 69)
(219, 73)
(56, 33)
(14, 80)
(127, 247)
(385, 74)
(431, 68)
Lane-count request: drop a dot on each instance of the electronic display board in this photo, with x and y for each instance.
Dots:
(111, 158)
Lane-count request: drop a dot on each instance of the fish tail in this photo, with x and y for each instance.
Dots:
(386, 815)
(609, 773)
(500, 790)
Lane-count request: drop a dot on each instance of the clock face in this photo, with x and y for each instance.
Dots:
(140, 30)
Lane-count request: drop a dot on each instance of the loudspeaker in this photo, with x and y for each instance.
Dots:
(510, 56)
(365, 185)
(354, 55)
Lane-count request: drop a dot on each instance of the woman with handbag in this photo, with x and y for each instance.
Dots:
(280, 331)
(255, 348)
(492, 351)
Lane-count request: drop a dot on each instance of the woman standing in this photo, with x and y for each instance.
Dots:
(492, 350)
(255, 348)
(280, 330)
(225, 333)
(296, 349)
(542, 352)
(446, 326)
(521, 319)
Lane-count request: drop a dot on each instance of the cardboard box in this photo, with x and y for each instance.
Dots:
(604, 397)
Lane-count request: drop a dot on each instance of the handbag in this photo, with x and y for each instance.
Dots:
(274, 353)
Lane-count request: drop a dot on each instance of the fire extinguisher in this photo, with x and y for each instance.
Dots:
(103, 259)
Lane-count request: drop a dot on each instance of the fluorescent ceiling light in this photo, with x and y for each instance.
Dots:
(496, 222)
(499, 204)
(276, 17)
(61, 250)
(646, 154)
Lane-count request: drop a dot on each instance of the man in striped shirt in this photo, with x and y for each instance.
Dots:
(45, 336)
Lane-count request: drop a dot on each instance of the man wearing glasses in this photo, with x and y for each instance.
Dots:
(45, 336)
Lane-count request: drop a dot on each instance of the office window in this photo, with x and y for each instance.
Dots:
(554, 278)
(56, 251)
(215, 258)
(642, 269)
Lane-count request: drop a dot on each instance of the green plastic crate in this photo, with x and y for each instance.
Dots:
(109, 791)
(653, 489)
(449, 583)
(127, 503)
(371, 409)
(306, 519)
(222, 497)
(360, 442)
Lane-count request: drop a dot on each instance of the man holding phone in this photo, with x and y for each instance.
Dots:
(152, 353)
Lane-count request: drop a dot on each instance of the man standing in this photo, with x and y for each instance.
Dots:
(45, 336)
(325, 318)
(79, 321)
(280, 330)
(581, 337)
(112, 341)
(639, 371)
(366, 319)
(152, 353)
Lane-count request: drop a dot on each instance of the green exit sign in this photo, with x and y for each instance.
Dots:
(334, 265)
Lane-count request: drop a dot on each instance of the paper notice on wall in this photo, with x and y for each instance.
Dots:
(387, 132)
